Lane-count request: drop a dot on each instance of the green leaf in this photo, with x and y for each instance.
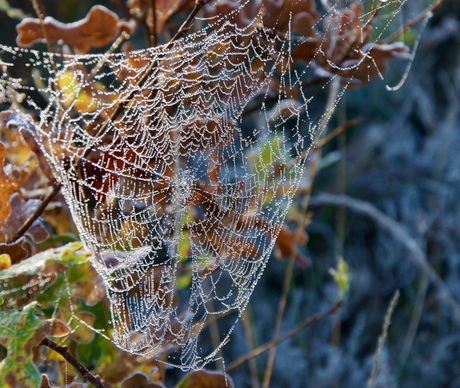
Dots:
(270, 153)
(18, 336)
(342, 277)
(184, 280)
(68, 254)
(20, 331)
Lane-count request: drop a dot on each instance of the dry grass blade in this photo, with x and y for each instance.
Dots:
(382, 338)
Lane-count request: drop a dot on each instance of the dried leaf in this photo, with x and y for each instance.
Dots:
(21, 211)
(45, 382)
(286, 245)
(139, 380)
(53, 328)
(205, 379)
(100, 27)
(17, 250)
(8, 185)
(347, 50)
(17, 151)
(126, 364)
(277, 15)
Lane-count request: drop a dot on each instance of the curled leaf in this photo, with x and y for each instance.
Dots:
(53, 328)
(205, 379)
(100, 27)
(286, 245)
(21, 211)
(17, 250)
(139, 380)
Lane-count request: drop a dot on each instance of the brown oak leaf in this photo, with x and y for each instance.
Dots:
(100, 27)
(21, 211)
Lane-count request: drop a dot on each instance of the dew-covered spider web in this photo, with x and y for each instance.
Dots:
(179, 162)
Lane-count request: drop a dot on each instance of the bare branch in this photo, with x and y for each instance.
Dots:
(70, 358)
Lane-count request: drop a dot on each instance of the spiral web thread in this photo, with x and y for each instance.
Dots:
(181, 196)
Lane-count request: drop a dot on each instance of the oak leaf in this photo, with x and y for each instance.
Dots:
(205, 379)
(100, 27)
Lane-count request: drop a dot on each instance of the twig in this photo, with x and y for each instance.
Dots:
(279, 320)
(188, 22)
(335, 133)
(382, 338)
(397, 231)
(247, 327)
(268, 345)
(412, 22)
(63, 351)
(153, 33)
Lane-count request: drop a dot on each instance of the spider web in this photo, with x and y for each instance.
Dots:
(179, 162)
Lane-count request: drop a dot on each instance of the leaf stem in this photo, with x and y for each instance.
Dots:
(71, 359)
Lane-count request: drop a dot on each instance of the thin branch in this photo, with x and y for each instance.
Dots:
(335, 133)
(412, 22)
(279, 320)
(268, 345)
(415, 321)
(70, 358)
(382, 338)
(188, 22)
(153, 33)
(417, 256)
(247, 327)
